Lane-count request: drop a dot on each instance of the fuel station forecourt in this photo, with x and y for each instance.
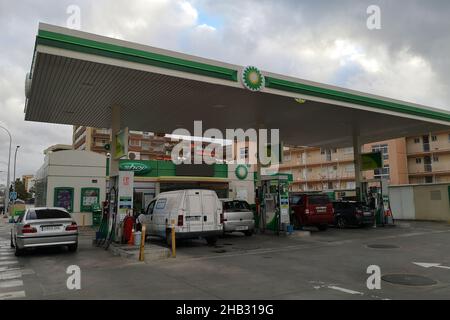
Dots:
(79, 78)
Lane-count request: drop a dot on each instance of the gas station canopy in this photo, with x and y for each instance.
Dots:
(77, 77)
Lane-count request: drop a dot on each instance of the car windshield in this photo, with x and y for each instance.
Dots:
(42, 214)
(236, 206)
(319, 200)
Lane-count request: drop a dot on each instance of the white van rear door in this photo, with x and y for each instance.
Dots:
(193, 216)
(210, 213)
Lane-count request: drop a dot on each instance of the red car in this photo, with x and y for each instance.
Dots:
(311, 210)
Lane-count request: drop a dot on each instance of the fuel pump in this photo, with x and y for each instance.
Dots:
(274, 209)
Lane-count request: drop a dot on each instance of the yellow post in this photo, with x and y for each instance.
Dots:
(174, 247)
(141, 249)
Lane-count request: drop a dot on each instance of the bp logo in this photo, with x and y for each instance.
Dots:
(252, 78)
(241, 172)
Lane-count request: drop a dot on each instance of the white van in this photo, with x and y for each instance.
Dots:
(195, 213)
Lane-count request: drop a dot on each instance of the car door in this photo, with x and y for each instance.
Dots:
(148, 217)
(194, 214)
(209, 211)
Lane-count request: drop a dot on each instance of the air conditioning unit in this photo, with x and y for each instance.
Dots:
(134, 155)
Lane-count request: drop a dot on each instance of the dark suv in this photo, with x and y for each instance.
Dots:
(311, 210)
(352, 213)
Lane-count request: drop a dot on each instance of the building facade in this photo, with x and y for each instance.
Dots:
(409, 160)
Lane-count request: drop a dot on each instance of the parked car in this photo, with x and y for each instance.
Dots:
(352, 213)
(238, 216)
(311, 210)
(39, 227)
(195, 213)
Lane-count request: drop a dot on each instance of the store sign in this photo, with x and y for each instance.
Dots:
(371, 161)
(121, 142)
(139, 168)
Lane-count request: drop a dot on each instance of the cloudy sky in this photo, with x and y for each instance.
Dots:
(324, 41)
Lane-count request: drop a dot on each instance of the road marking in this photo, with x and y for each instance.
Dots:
(345, 290)
(8, 269)
(5, 258)
(10, 275)
(11, 283)
(431, 265)
(5, 263)
(12, 295)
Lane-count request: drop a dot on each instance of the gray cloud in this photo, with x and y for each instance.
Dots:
(325, 41)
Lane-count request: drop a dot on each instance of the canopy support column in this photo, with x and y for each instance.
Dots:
(357, 162)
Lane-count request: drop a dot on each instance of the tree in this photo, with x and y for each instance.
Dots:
(20, 189)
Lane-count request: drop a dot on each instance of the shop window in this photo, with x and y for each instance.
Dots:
(89, 197)
(63, 198)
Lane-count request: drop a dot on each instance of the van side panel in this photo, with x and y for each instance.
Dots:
(209, 217)
(193, 217)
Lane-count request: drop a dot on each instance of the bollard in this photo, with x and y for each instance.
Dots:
(174, 247)
(141, 249)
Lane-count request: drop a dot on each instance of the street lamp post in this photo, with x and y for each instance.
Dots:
(14, 183)
(9, 165)
(15, 158)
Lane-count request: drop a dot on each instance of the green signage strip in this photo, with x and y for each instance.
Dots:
(371, 161)
(315, 91)
(64, 41)
(162, 168)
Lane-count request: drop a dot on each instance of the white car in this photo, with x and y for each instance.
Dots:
(194, 212)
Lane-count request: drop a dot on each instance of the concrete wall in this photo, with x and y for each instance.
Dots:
(75, 169)
(421, 201)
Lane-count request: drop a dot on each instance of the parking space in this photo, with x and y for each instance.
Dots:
(326, 265)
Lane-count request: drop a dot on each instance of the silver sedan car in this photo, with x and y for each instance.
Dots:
(238, 216)
(40, 227)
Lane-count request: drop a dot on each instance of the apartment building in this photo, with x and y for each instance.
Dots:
(421, 159)
(428, 158)
(144, 145)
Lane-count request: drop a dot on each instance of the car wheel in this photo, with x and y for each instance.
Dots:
(73, 247)
(211, 241)
(18, 252)
(341, 223)
(248, 233)
(12, 243)
(322, 227)
(296, 222)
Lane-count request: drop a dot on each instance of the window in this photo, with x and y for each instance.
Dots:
(135, 143)
(383, 148)
(47, 214)
(416, 140)
(382, 172)
(287, 157)
(433, 138)
(435, 159)
(161, 203)
(428, 179)
(350, 150)
(418, 160)
(243, 152)
(334, 150)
